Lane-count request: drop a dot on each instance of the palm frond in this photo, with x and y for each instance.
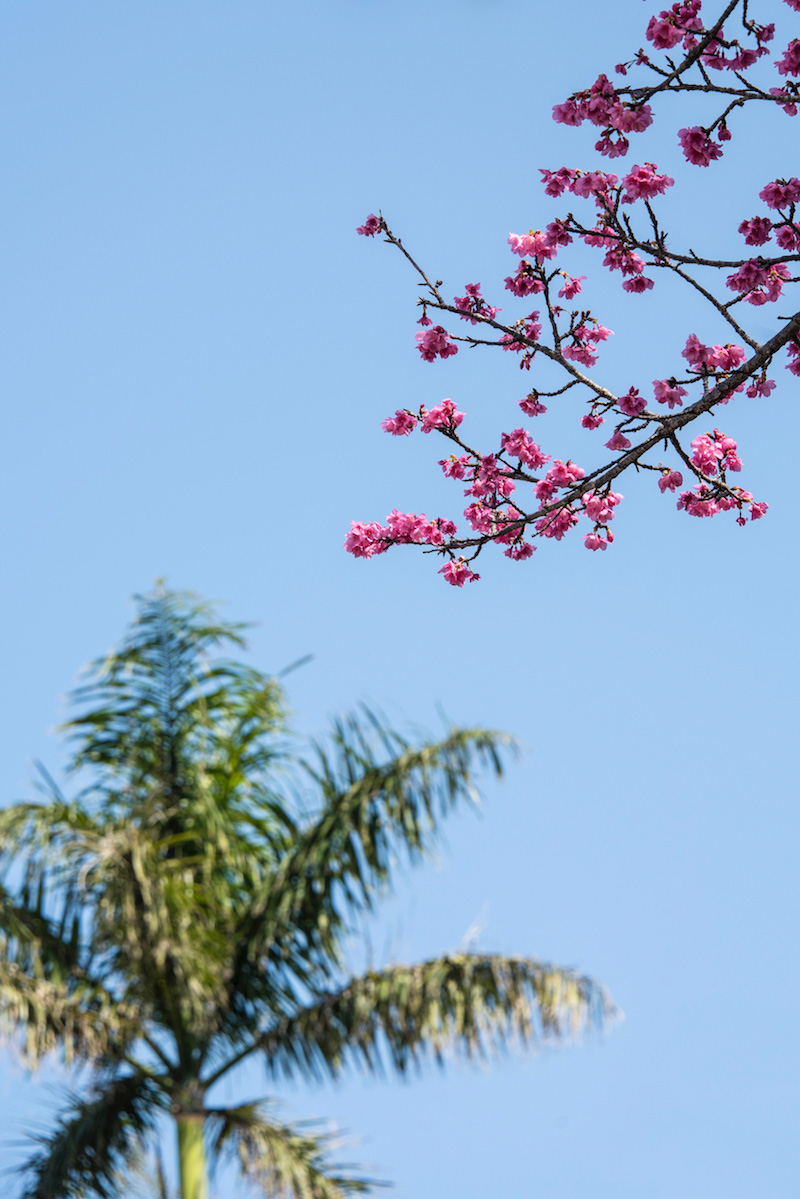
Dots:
(475, 1004)
(147, 702)
(94, 1139)
(78, 1017)
(290, 1161)
(373, 805)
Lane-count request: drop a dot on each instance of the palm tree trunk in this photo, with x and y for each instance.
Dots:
(192, 1158)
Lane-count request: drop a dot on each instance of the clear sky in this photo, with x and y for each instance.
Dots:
(198, 352)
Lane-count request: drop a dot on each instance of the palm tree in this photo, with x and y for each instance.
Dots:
(188, 911)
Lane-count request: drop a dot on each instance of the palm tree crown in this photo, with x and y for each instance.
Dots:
(187, 911)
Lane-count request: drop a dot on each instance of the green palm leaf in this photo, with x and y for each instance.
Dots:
(373, 806)
(289, 1161)
(475, 1004)
(94, 1139)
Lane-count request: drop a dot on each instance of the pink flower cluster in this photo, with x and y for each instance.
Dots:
(601, 105)
(401, 528)
(472, 306)
(401, 424)
(698, 147)
(435, 343)
(534, 244)
(702, 358)
(489, 482)
(618, 441)
(599, 507)
(530, 327)
(757, 231)
(706, 501)
(584, 184)
(372, 225)
(444, 416)
(675, 25)
(667, 392)
(712, 452)
(790, 63)
(457, 573)
(519, 444)
(584, 342)
(642, 183)
(572, 286)
(761, 387)
(531, 404)
(670, 480)
(526, 282)
(561, 474)
(759, 284)
(781, 193)
(632, 404)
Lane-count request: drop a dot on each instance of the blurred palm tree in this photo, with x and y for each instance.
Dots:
(188, 911)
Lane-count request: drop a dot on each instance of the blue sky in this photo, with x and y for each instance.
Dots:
(198, 354)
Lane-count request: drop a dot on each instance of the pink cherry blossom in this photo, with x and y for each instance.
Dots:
(480, 518)
(642, 183)
(600, 508)
(750, 274)
(372, 225)
(366, 540)
(557, 524)
(667, 392)
(670, 481)
(790, 63)
(526, 282)
(520, 551)
(591, 420)
(618, 441)
(443, 416)
(780, 93)
(571, 286)
(556, 182)
(454, 467)
(531, 405)
(401, 424)
(564, 474)
(699, 502)
(638, 284)
(557, 234)
(781, 193)
(435, 342)
(567, 113)
(458, 573)
(757, 231)
(761, 387)
(631, 120)
(705, 455)
(727, 357)
(473, 307)
(593, 541)
(531, 245)
(519, 444)
(695, 353)
(698, 147)
(632, 404)
(788, 238)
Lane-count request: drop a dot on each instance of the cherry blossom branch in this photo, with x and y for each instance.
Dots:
(563, 493)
